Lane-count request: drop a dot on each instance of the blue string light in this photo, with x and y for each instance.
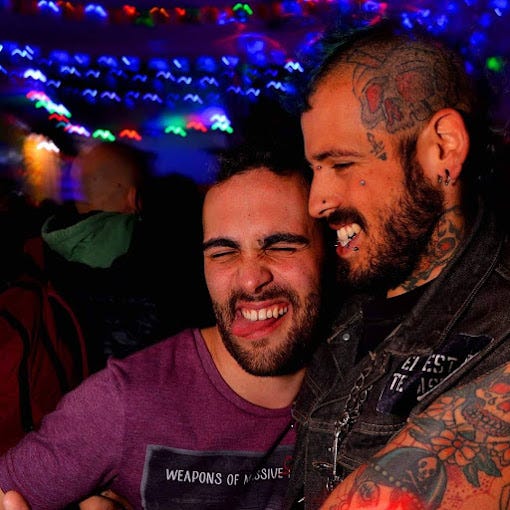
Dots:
(255, 67)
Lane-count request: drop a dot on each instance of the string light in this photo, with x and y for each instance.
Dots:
(259, 66)
(244, 13)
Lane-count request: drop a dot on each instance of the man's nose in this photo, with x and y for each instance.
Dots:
(324, 195)
(254, 274)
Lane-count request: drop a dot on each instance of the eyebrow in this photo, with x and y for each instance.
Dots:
(279, 237)
(284, 237)
(219, 242)
(321, 156)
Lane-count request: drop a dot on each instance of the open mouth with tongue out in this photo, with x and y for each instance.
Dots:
(254, 322)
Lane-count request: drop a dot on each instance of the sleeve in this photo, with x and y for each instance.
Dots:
(76, 449)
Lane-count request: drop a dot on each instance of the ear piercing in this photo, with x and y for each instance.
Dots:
(447, 180)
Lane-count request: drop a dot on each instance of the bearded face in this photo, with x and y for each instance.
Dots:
(400, 237)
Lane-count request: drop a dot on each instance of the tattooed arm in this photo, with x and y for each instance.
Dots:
(454, 456)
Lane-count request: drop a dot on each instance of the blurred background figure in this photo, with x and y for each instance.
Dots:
(111, 262)
(42, 350)
(109, 176)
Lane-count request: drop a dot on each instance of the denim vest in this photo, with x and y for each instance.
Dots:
(457, 331)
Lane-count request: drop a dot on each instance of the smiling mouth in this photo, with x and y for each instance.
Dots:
(346, 234)
(262, 314)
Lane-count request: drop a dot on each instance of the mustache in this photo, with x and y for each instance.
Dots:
(346, 215)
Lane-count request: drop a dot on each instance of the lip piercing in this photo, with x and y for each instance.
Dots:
(362, 182)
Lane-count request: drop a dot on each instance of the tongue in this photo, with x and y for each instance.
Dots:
(244, 327)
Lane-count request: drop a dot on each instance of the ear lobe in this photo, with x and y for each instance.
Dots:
(132, 200)
(448, 142)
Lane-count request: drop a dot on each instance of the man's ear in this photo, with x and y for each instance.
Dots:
(133, 200)
(443, 145)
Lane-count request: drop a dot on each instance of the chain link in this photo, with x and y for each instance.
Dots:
(355, 400)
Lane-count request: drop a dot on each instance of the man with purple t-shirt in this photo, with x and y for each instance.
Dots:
(202, 419)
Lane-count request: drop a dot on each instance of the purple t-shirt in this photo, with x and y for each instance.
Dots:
(161, 428)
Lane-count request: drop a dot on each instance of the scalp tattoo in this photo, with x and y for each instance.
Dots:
(377, 147)
(401, 86)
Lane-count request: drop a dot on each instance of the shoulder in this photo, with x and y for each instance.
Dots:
(157, 357)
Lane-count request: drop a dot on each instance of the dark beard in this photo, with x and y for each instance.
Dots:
(290, 356)
(408, 231)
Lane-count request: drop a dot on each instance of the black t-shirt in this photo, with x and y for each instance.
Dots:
(382, 315)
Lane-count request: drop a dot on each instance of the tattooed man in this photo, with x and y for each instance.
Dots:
(391, 134)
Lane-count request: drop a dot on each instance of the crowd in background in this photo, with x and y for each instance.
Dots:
(125, 259)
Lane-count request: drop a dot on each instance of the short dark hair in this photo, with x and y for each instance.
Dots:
(245, 157)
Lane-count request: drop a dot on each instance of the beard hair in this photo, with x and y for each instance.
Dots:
(291, 354)
(407, 231)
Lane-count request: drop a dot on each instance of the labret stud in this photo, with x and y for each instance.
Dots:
(337, 244)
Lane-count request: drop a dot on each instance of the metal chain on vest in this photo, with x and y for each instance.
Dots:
(355, 400)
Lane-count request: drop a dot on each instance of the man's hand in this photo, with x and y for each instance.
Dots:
(13, 500)
(107, 500)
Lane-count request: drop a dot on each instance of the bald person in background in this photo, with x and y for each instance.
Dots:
(93, 256)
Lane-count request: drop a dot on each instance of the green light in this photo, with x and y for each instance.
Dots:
(495, 64)
(145, 19)
(104, 134)
(245, 7)
(176, 130)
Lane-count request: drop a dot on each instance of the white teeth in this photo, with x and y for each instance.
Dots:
(346, 234)
(264, 313)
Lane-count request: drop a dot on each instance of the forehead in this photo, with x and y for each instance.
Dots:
(334, 116)
(256, 202)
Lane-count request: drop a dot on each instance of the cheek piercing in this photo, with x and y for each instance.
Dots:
(362, 182)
